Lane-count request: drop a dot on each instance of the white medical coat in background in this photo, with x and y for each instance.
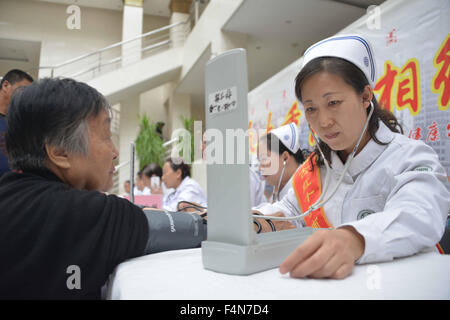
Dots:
(188, 190)
(145, 192)
(394, 195)
(285, 190)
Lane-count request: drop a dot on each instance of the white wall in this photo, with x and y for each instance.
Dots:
(46, 22)
(272, 54)
(152, 104)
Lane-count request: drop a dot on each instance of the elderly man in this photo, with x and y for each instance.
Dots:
(60, 237)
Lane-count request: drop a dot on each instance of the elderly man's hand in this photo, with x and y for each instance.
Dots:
(326, 254)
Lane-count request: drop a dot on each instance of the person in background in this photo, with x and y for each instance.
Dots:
(176, 175)
(127, 186)
(278, 166)
(152, 174)
(159, 128)
(12, 80)
(140, 189)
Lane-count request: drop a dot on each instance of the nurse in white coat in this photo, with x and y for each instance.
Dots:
(389, 201)
(280, 156)
(176, 175)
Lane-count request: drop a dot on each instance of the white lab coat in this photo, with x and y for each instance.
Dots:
(144, 192)
(402, 184)
(285, 190)
(188, 190)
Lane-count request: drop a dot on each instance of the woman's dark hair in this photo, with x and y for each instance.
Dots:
(353, 76)
(178, 163)
(272, 140)
(52, 112)
(152, 169)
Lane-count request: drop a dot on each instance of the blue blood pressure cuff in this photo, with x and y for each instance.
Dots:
(174, 230)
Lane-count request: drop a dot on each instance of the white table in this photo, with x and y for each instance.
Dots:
(179, 275)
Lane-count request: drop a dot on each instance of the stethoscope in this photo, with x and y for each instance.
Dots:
(279, 184)
(277, 193)
(321, 202)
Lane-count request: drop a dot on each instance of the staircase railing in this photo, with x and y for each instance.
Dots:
(92, 64)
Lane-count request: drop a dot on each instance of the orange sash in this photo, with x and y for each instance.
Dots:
(307, 187)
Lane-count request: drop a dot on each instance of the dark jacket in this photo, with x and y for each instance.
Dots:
(57, 242)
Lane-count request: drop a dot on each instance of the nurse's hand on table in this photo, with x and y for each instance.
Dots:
(279, 225)
(326, 254)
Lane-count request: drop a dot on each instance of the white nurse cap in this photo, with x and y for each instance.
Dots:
(353, 48)
(289, 135)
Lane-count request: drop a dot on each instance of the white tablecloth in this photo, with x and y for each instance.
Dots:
(179, 275)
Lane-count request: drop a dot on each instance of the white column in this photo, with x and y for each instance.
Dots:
(179, 33)
(180, 13)
(133, 15)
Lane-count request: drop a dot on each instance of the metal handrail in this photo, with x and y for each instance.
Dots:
(114, 45)
(156, 45)
(97, 69)
(115, 60)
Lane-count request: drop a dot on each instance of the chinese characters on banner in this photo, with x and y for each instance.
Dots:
(440, 85)
(404, 82)
(441, 80)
